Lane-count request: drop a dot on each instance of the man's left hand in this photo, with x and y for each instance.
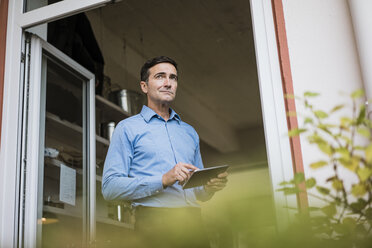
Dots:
(216, 184)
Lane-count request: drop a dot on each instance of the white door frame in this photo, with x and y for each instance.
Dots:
(273, 107)
(12, 109)
(275, 124)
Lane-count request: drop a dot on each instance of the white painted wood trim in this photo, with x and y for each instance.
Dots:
(33, 149)
(58, 10)
(360, 11)
(273, 106)
(9, 137)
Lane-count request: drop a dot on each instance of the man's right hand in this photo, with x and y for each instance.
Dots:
(180, 172)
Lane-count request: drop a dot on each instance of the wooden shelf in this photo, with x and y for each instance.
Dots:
(61, 211)
(110, 111)
(104, 220)
(114, 222)
(57, 163)
(71, 134)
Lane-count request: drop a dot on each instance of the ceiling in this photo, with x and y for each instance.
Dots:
(211, 40)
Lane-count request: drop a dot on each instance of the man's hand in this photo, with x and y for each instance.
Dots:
(216, 184)
(180, 172)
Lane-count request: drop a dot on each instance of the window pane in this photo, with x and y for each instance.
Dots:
(63, 195)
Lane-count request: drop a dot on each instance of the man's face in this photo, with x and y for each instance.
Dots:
(162, 84)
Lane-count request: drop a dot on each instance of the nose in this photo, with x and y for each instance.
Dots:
(167, 82)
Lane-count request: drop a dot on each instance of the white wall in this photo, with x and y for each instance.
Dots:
(323, 59)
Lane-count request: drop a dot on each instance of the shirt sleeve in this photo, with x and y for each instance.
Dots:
(116, 183)
(200, 192)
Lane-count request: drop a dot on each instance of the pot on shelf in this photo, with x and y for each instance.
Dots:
(130, 101)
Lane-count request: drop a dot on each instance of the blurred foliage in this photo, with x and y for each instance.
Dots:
(345, 218)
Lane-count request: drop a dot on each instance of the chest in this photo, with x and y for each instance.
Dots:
(165, 141)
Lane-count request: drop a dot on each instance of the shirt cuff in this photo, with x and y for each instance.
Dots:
(155, 184)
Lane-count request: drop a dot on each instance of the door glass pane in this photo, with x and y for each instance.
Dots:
(34, 4)
(62, 190)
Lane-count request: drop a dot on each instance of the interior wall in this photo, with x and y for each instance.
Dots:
(252, 154)
(323, 59)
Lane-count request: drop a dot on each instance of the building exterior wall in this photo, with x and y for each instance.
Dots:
(324, 59)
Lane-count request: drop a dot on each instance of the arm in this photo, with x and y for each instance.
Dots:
(116, 183)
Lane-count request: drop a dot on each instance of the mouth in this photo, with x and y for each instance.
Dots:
(167, 92)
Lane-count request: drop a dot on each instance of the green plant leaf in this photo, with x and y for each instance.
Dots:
(346, 122)
(310, 94)
(346, 139)
(359, 148)
(351, 164)
(311, 182)
(326, 148)
(364, 132)
(318, 164)
(320, 114)
(322, 190)
(337, 185)
(308, 120)
(345, 154)
(357, 94)
(299, 178)
(290, 191)
(368, 213)
(285, 183)
(358, 189)
(364, 173)
(296, 132)
(337, 107)
(289, 96)
(359, 205)
(291, 113)
(362, 115)
(329, 210)
(368, 153)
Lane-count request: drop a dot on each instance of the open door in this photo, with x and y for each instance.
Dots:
(58, 150)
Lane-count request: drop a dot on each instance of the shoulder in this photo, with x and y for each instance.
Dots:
(130, 124)
(190, 130)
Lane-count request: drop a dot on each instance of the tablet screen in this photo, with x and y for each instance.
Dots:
(202, 176)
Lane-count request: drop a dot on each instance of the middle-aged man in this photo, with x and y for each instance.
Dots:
(151, 154)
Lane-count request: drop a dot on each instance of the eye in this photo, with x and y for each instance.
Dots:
(159, 76)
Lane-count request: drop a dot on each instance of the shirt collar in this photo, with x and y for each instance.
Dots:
(147, 114)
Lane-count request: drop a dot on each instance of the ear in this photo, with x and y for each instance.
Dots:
(144, 87)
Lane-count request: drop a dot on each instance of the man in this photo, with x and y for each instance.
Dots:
(151, 154)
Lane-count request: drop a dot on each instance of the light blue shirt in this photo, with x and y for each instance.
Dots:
(143, 148)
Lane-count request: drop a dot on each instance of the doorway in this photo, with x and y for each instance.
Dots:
(218, 94)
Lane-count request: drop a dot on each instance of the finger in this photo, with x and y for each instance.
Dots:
(186, 171)
(223, 175)
(182, 175)
(218, 184)
(216, 180)
(190, 166)
(213, 188)
(180, 179)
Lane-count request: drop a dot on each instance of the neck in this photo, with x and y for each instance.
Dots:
(161, 109)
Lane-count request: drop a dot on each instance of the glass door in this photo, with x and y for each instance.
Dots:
(60, 151)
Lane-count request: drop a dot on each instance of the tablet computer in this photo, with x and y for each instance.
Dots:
(202, 176)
